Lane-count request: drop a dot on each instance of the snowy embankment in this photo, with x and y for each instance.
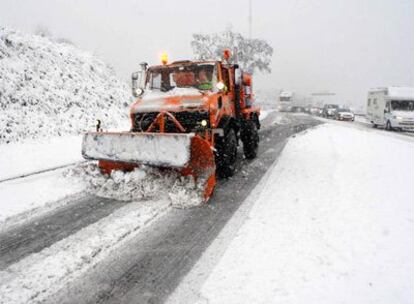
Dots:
(54, 89)
(50, 93)
(333, 223)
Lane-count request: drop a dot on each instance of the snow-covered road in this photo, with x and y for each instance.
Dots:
(330, 221)
(333, 222)
(90, 250)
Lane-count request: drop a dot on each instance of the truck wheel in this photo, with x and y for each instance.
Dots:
(226, 154)
(250, 138)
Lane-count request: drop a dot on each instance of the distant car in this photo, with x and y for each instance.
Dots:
(315, 111)
(344, 114)
(329, 110)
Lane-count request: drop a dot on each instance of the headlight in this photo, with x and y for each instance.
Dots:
(220, 86)
(138, 92)
(204, 123)
(398, 118)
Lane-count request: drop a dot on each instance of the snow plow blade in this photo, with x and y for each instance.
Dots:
(188, 153)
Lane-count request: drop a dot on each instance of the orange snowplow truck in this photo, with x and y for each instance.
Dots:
(188, 116)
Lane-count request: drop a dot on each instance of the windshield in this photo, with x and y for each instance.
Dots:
(402, 105)
(199, 76)
(344, 110)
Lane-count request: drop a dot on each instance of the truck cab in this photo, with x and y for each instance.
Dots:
(192, 92)
(213, 99)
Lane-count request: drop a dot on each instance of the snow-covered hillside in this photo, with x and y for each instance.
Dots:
(51, 89)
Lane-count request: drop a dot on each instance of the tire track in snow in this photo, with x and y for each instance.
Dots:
(35, 277)
(41, 232)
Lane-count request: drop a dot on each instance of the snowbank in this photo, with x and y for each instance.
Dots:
(34, 194)
(334, 223)
(25, 197)
(361, 119)
(51, 89)
(141, 184)
(19, 158)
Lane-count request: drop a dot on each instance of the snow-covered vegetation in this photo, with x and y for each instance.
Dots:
(50, 88)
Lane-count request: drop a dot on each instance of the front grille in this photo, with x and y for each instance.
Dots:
(189, 120)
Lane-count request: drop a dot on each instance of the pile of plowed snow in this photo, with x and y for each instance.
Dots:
(143, 183)
(51, 89)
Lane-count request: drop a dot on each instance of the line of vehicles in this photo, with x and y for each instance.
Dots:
(288, 102)
(391, 108)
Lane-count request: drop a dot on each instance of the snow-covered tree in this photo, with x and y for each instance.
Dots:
(253, 54)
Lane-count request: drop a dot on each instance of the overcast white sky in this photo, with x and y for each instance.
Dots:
(344, 46)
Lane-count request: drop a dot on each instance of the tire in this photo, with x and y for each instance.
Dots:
(388, 126)
(250, 139)
(226, 154)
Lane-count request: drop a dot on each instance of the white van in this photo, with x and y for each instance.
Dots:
(392, 108)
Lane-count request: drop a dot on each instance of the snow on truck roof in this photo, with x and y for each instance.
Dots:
(396, 92)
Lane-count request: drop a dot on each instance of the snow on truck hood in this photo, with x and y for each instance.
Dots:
(153, 101)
